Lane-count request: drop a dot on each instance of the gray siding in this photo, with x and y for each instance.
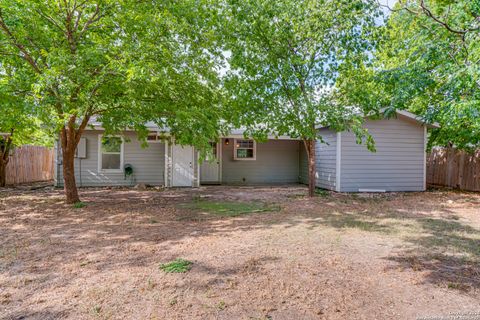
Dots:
(397, 165)
(148, 164)
(277, 161)
(325, 156)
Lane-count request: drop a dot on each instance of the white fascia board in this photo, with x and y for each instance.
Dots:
(416, 118)
(100, 128)
(270, 137)
(404, 113)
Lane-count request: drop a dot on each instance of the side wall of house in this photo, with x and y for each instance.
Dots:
(277, 161)
(325, 156)
(148, 164)
(398, 163)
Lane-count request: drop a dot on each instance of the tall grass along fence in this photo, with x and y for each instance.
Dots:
(30, 164)
(453, 168)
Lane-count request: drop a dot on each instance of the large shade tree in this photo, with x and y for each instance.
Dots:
(18, 122)
(17, 126)
(285, 58)
(125, 62)
(428, 63)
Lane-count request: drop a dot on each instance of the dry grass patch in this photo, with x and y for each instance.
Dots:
(258, 253)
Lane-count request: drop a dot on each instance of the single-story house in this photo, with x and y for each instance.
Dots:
(399, 163)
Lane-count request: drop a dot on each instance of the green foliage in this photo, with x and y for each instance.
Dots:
(125, 62)
(17, 116)
(230, 208)
(321, 192)
(427, 63)
(285, 59)
(79, 205)
(176, 266)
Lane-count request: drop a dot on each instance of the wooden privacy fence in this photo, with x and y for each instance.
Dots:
(30, 164)
(454, 168)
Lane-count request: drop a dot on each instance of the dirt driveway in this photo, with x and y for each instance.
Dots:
(256, 253)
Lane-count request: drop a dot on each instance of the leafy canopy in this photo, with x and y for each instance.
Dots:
(428, 63)
(286, 57)
(126, 62)
(17, 117)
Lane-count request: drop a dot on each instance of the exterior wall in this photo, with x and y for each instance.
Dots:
(325, 156)
(148, 164)
(277, 161)
(326, 159)
(397, 165)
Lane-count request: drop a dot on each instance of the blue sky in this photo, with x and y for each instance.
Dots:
(390, 3)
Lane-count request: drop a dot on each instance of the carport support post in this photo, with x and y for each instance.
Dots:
(310, 148)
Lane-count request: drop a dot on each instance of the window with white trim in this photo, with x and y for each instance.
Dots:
(244, 149)
(153, 137)
(110, 153)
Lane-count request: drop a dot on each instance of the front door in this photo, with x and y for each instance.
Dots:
(210, 168)
(182, 162)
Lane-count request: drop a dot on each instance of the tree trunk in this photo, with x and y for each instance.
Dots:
(3, 173)
(69, 183)
(69, 137)
(5, 146)
(310, 148)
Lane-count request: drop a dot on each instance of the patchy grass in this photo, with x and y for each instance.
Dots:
(176, 266)
(392, 252)
(221, 305)
(321, 192)
(230, 208)
(79, 205)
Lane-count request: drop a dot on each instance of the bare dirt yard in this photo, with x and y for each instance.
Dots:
(255, 253)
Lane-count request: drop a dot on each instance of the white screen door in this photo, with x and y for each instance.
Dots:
(210, 168)
(182, 161)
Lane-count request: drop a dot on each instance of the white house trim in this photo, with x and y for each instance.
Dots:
(244, 159)
(166, 172)
(269, 137)
(338, 164)
(220, 159)
(425, 140)
(197, 164)
(403, 113)
(416, 118)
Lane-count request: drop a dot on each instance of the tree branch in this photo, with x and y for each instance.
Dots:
(94, 18)
(429, 13)
(26, 55)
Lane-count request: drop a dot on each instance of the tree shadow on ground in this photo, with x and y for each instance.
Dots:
(27, 314)
(42, 236)
(448, 250)
(443, 247)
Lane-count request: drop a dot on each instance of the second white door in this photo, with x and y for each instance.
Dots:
(210, 168)
(182, 162)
